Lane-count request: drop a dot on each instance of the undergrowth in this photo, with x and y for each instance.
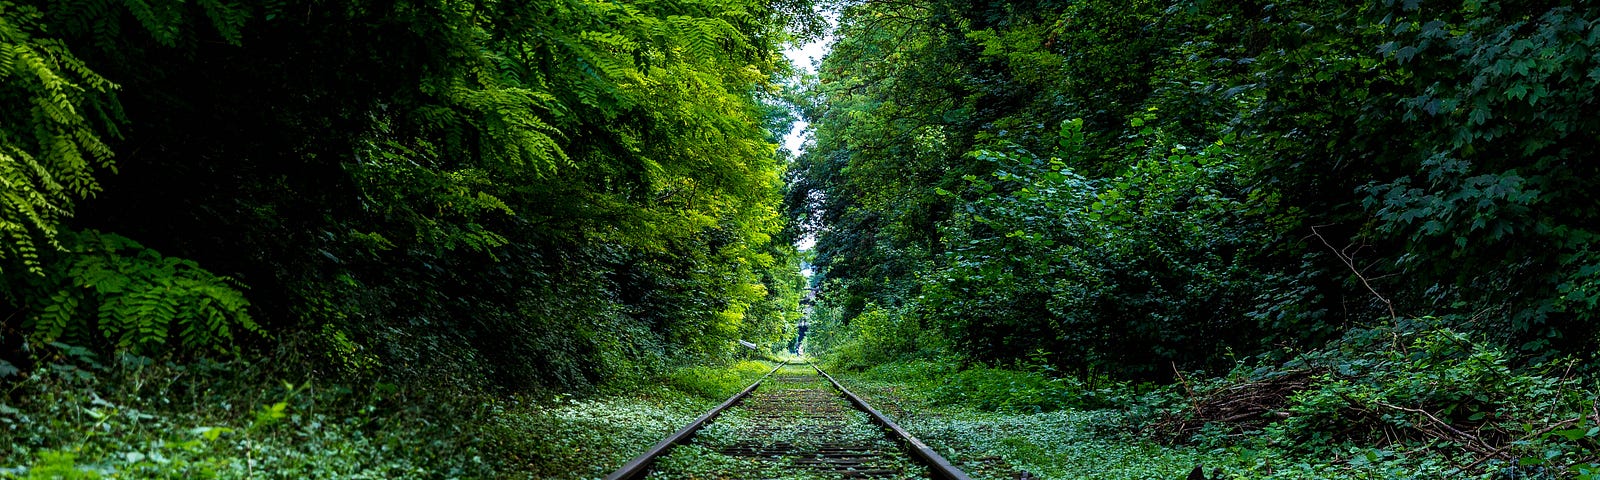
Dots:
(77, 415)
(993, 422)
(1414, 400)
(1417, 399)
(81, 416)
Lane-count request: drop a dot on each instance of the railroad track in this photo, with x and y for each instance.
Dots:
(796, 422)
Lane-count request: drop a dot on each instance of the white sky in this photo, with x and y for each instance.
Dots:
(805, 58)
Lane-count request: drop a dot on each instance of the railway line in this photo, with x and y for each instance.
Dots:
(796, 422)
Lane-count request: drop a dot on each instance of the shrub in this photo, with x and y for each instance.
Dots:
(1009, 390)
(942, 381)
(878, 336)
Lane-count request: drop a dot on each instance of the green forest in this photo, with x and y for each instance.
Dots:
(1077, 238)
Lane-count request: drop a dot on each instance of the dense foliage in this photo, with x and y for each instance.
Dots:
(420, 213)
(1135, 188)
(522, 195)
(1343, 240)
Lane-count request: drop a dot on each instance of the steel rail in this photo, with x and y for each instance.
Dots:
(640, 465)
(938, 467)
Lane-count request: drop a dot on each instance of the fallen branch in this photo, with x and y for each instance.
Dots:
(1464, 435)
(1498, 451)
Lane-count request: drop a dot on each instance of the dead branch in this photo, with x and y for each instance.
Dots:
(1349, 262)
(1446, 425)
(1500, 451)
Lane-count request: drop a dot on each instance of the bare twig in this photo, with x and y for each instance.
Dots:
(1193, 402)
(1441, 423)
(1530, 436)
(1349, 262)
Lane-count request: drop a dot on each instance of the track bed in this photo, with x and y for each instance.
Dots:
(795, 425)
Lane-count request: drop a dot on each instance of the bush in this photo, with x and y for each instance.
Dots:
(1009, 390)
(876, 337)
(1401, 396)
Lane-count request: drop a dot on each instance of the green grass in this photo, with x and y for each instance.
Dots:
(718, 383)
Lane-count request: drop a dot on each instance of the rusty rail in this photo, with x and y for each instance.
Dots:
(637, 467)
(938, 467)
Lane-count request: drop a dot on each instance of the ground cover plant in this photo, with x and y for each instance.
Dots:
(87, 416)
(134, 417)
(591, 437)
(1016, 420)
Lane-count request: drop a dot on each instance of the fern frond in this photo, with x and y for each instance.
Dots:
(8, 57)
(44, 162)
(161, 23)
(227, 18)
(54, 317)
(138, 297)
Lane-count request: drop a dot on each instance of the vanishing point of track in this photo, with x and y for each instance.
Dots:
(795, 421)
